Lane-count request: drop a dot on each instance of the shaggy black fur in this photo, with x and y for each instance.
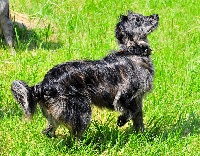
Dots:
(118, 82)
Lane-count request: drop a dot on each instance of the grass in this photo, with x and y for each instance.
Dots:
(84, 29)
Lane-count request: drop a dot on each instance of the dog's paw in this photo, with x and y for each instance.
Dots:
(121, 121)
(48, 132)
(139, 128)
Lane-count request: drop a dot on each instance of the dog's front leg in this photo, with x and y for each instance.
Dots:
(138, 122)
(138, 117)
(125, 117)
(133, 111)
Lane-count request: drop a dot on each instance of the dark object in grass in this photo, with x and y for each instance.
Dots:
(6, 27)
(117, 82)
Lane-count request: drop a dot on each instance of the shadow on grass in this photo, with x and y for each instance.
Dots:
(184, 126)
(29, 39)
(9, 112)
(188, 126)
(101, 137)
(98, 138)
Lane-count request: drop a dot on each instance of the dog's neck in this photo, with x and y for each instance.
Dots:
(140, 48)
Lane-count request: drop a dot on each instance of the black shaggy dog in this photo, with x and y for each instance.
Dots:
(118, 82)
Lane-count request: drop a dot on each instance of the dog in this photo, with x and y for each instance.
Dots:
(118, 82)
(6, 27)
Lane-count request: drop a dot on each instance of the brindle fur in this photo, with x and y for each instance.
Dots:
(117, 82)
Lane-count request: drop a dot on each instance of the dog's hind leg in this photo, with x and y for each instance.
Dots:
(82, 122)
(80, 114)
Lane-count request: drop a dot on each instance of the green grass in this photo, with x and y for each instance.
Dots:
(78, 29)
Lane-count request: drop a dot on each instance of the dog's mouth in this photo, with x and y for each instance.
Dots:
(154, 23)
(152, 28)
(155, 17)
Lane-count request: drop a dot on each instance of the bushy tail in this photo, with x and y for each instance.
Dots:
(24, 95)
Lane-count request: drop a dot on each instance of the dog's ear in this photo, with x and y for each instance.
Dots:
(123, 18)
(119, 33)
(130, 13)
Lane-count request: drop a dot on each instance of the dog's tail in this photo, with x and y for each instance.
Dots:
(26, 96)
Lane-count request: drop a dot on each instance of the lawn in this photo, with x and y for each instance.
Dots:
(60, 31)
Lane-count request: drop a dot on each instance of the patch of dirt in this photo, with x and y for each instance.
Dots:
(25, 20)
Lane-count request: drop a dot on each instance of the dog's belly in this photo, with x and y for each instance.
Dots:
(103, 99)
(103, 103)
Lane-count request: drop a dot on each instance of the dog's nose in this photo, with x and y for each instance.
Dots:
(156, 16)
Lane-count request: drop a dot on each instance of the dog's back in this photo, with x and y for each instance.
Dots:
(101, 80)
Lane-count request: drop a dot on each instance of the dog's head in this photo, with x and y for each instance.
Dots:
(134, 28)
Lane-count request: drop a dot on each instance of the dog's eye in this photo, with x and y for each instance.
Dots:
(120, 27)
